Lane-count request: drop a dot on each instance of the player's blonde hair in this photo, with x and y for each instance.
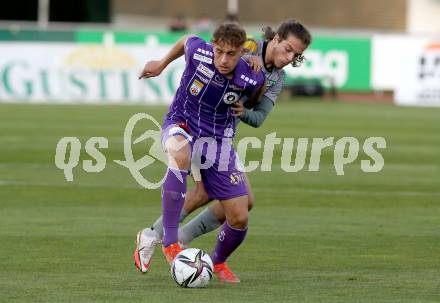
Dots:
(229, 33)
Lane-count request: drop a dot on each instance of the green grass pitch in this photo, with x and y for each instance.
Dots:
(313, 237)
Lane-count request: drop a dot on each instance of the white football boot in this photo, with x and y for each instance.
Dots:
(146, 241)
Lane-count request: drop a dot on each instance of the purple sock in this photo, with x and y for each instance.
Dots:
(228, 240)
(173, 196)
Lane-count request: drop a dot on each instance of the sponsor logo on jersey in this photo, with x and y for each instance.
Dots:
(218, 80)
(205, 71)
(235, 87)
(248, 80)
(202, 58)
(203, 79)
(230, 97)
(205, 52)
(196, 87)
(270, 83)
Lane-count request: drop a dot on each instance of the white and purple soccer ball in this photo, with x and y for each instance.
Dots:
(192, 268)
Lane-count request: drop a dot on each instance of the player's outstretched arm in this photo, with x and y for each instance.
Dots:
(155, 67)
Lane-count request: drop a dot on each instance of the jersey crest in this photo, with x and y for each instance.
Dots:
(196, 87)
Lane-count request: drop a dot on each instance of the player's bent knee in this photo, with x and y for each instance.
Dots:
(202, 197)
(180, 158)
(239, 221)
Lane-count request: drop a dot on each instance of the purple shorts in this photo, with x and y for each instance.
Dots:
(216, 163)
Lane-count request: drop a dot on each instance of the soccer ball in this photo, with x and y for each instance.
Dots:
(192, 267)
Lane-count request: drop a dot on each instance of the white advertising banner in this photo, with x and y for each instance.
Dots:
(410, 66)
(389, 55)
(419, 82)
(81, 73)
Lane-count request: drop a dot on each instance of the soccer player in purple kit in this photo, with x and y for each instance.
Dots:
(215, 77)
(278, 49)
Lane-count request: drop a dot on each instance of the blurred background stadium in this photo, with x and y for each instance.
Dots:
(92, 51)
(314, 236)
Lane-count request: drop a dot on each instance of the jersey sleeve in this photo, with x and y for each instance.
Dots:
(261, 79)
(191, 46)
(254, 90)
(274, 89)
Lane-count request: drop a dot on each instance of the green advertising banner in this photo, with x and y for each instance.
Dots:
(340, 62)
(343, 62)
(103, 66)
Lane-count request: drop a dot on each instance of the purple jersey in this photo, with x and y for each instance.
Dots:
(204, 96)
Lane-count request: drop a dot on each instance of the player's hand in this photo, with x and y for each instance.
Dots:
(151, 69)
(254, 62)
(237, 109)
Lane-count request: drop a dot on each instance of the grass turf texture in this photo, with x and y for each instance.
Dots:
(313, 237)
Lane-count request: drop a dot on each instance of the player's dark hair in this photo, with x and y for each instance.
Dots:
(229, 33)
(290, 27)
